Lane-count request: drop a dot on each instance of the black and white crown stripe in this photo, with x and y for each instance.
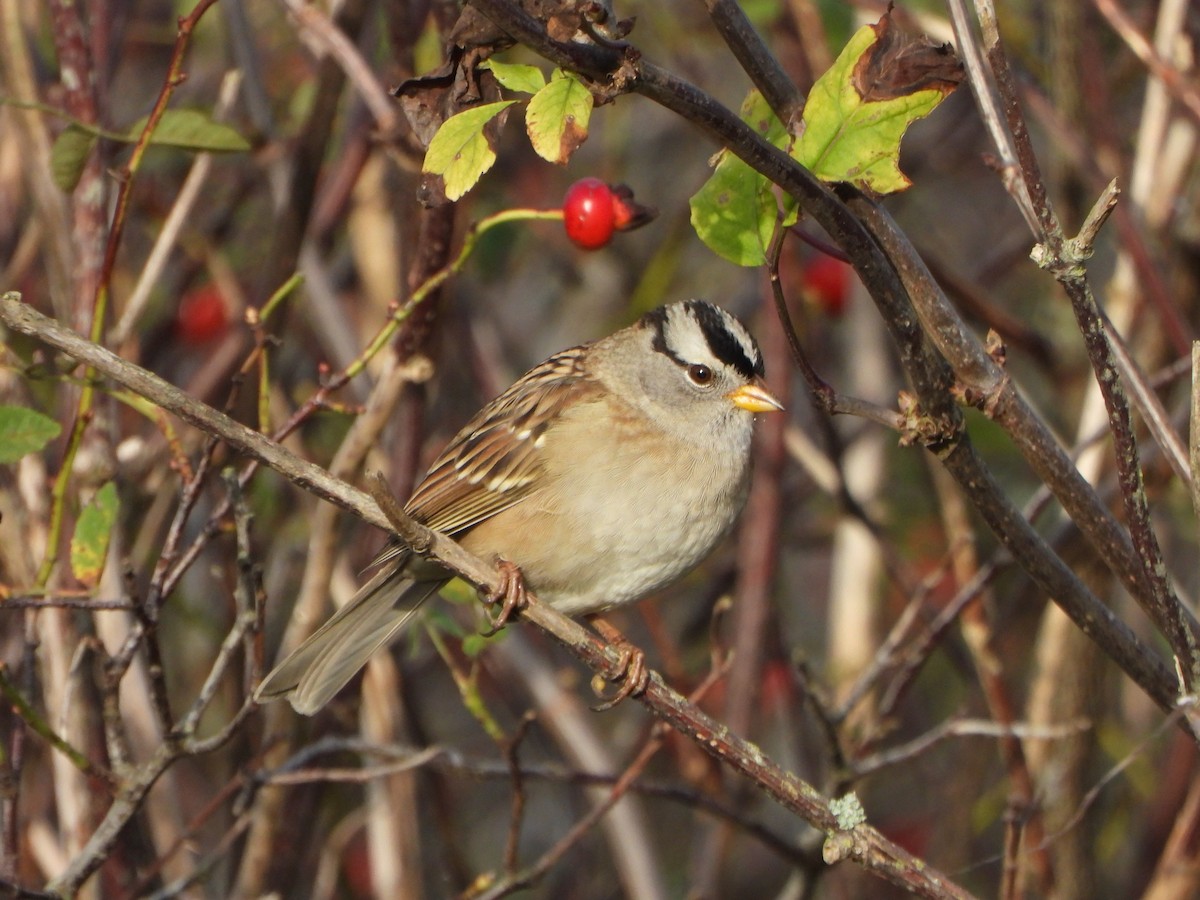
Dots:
(696, 330)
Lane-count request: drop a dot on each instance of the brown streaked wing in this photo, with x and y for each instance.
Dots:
(491, 463)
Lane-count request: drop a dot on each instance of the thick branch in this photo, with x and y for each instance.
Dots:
(756, 59)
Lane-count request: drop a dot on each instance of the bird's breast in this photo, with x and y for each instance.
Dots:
(612, 521)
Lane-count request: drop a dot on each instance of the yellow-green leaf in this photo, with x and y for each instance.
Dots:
(516, 76)
(734, 213)
(558, 116)
(858, 111)
(89, 545)
(460, 151)
(24, 431)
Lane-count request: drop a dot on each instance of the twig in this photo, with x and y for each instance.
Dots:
(1150, 407)
(1183, 90)
(512, 844)
(297, 771)
(758, 537)
(977, 628)
(823, 394)
(44, 602)
(985, 101)
(35, 721)
(514, 881)
(174, 77)
(124, 807)
(1194, 430)
(1184, 709)
(621, 785)
(214, 805)
(982, 728)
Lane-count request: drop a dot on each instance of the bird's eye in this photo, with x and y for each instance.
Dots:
(700, 374)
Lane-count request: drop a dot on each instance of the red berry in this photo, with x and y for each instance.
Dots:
(588, 213)
(202, 315)
(826, 282)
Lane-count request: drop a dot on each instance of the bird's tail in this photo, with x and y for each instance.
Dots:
(321, 666)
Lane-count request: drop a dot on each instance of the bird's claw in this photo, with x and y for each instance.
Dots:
(511, 593)
(632, 676)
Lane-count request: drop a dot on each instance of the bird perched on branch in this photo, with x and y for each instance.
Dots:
(603, 474)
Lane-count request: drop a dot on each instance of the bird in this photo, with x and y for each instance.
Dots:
(602, 475)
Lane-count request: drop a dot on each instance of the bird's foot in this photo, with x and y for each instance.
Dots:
(510, 593)
(631, 675)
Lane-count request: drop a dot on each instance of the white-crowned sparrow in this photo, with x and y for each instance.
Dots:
(604, 474)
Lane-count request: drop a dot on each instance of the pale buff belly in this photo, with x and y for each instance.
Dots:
(619, 533)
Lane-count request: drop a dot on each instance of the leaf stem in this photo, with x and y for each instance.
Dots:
(438, 278)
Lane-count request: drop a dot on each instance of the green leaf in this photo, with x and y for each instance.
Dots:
(558, 116)
(24, 431)
(69, 155)
(517, 76)
(858, 111)
(460, 152)
(473, 645)
(89, 545)
(734, 212)
(191, 129)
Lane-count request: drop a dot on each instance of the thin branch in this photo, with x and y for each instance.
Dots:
(320, 31)
(1194, 430)
(985, 101)
(780, 92)
(181, 212)
(296, 771)
(982, 728)
(531, 874)
(124, 807)
(55, 600)
(38, 724)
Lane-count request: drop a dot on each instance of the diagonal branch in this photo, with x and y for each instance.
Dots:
(781, 94)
